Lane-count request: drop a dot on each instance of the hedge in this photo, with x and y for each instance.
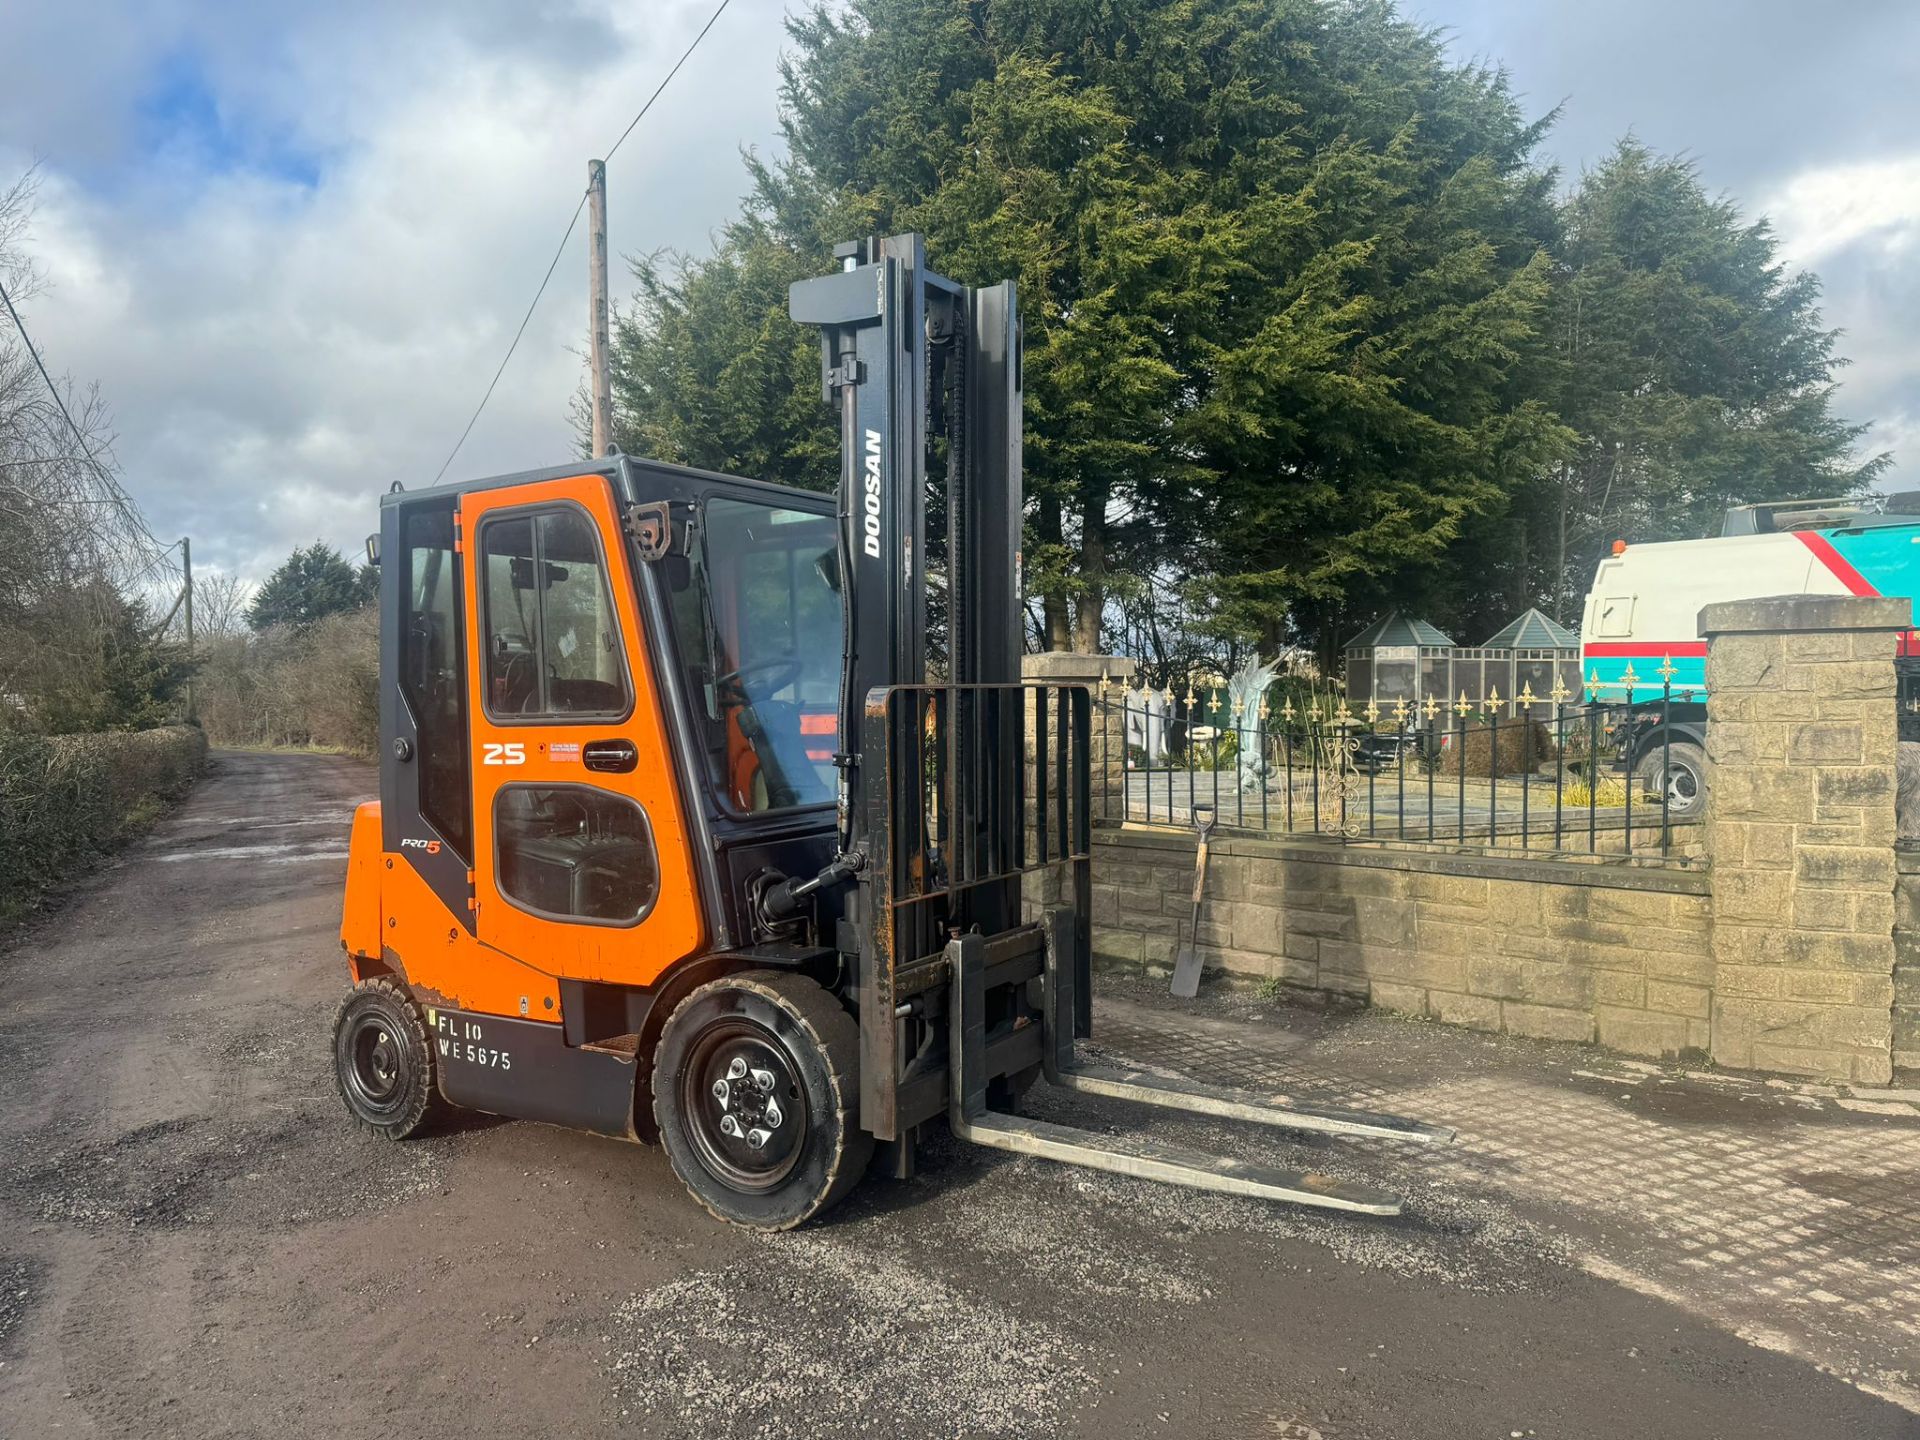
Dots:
(65, 800)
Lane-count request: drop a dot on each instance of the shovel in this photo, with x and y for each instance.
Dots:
(1186, 961)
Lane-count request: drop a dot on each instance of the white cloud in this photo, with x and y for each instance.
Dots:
(1857, 223)
(1825, 211)
(277, 353)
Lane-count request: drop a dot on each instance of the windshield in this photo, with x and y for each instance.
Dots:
(757, 618)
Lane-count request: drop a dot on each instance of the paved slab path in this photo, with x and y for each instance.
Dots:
(194, 1242)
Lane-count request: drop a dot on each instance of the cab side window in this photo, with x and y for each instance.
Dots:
(430, 670)
(575, 853)
(552, 643)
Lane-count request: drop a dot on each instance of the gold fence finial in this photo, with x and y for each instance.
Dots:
(1628, 680)
(1493, 700)
(1666, 672)
(1559, 693)
(1464, 707)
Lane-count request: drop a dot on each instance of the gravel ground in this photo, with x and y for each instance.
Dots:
(195, 1242)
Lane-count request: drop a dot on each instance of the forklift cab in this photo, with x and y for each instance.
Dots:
(582, 736)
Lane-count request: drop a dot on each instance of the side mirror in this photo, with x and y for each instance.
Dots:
(373, 551)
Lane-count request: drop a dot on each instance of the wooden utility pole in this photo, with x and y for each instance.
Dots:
(602, 398)
(186, 565)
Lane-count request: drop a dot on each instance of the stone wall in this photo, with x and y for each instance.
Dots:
(1557, 949)
(1784, 935)
(1801, 719)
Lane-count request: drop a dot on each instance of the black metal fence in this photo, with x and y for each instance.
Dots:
(1557, 773)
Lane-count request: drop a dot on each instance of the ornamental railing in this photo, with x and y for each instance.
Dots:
(1563, 772)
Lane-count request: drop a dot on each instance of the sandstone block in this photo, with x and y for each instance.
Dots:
(1618, 988)
(1474, 1011)
(1745, 982)
(1340, 924)
(1854, 680)
(1751, 895)
(1297, 946)
(1830, 988)
(1822, 910)
(1407, 999)
(1542, 1022)
(1661, 1037)
(1864, 785)
(1845, 866)
(1449, 889)
(1690, 1001)
(1820, 645)
(1380, 962)
(1386, 922)
(1692, 967)
(1564, 986)
(1256, 927)
(1825, 743)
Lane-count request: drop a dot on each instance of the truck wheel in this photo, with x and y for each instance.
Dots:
(382, 1063)
(1685, 764)
(756, 1094)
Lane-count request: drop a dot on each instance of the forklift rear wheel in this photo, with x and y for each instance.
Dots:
(382, 1062)
(755, 1094)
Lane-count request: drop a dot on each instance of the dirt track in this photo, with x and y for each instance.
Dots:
(195, 1242)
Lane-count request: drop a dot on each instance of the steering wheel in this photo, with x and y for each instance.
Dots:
(781, 671)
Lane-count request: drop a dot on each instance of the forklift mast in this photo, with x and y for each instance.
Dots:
(959, 783)
(933, 812)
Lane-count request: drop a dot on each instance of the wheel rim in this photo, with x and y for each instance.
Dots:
(1683, 787)
(376, 1065)
(745, 1108)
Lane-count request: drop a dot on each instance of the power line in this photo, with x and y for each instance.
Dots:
(120, 498)
(670, 74)
(554, 264)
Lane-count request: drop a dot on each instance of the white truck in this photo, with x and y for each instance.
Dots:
(1642, 615)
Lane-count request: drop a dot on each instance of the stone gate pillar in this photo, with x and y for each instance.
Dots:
(1107, 763)
(1801, 719)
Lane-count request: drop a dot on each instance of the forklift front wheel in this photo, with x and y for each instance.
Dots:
(382, 1062)
(755, 1092)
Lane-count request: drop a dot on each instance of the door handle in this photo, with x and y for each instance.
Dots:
(609, 756)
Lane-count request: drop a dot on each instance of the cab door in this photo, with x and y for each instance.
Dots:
(582, 865)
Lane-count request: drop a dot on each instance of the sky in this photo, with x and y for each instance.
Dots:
(291, 242)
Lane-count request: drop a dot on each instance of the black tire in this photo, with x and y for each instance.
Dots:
(1685, 764)
(382, 1061)
(756, 1095)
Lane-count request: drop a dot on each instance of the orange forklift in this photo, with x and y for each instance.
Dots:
(714, 813)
